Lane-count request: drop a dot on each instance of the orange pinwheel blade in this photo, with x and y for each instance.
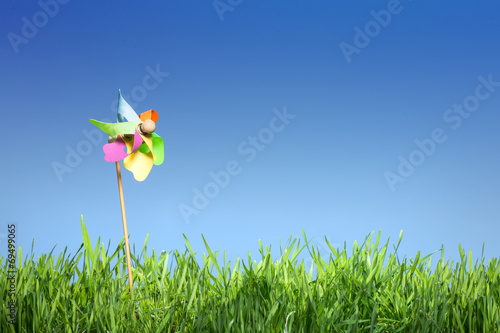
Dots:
(151, 114)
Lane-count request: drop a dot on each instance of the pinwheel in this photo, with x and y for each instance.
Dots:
(131, 139)
(144, 148)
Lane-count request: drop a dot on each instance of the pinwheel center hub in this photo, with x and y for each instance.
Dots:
(147, 127)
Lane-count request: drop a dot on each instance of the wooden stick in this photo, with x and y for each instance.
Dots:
(125, 231)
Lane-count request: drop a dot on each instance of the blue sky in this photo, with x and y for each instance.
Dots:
(339, 118)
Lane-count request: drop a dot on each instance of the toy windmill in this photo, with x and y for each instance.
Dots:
(131, 139)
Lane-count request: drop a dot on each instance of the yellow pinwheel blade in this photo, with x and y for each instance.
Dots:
(140, 164)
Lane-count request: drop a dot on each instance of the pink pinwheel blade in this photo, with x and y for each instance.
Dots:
(137, 141)
(115, 151)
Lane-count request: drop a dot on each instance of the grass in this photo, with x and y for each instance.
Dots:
(368, 290)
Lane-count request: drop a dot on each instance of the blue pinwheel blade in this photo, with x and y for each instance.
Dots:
(125, 111)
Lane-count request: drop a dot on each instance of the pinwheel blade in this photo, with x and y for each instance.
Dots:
(151, 114)
(114, 151)
(139, 164)
(114, 129)
(125, 111)
(158, 151)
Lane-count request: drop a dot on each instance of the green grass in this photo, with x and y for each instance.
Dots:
(368, 290)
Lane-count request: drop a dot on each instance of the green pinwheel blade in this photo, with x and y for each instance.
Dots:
(158, 153)
(114, 129)
(143, 148)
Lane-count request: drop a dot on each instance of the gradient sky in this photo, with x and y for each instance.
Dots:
(361, 81)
